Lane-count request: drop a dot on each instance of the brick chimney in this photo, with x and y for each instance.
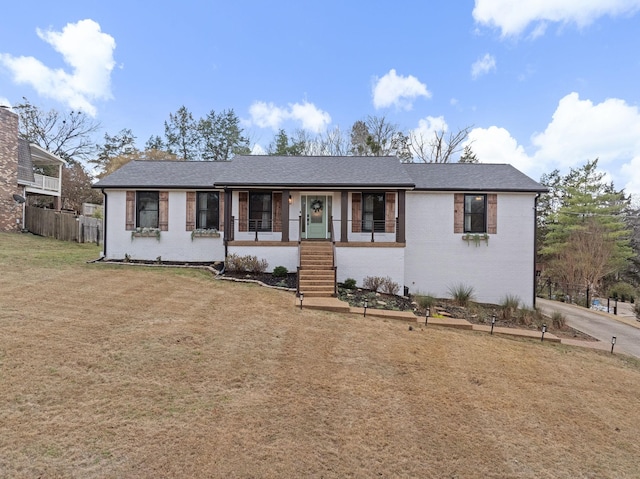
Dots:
(10, 214)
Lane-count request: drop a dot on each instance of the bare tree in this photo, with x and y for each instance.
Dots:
(377, 137)
(439, 148)
(334, 143)
(67, 135)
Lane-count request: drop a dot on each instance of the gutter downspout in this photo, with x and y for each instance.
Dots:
(23, 226)
(104, 225)
(535, 244)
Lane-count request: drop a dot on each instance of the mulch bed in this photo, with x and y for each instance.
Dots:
(288, 281)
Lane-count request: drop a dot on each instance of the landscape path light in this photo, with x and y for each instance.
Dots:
(613, 343)
(544, 330)
(301, 299)
(493, 322)
(366, 303)
(426, 316)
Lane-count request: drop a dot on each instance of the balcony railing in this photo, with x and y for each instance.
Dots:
(47, 183)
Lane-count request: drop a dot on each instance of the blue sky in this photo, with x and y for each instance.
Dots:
(545, 84)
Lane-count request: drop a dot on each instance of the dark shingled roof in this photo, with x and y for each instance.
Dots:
(318, 171)
(470, 177)
(164, 174)
(25, 165)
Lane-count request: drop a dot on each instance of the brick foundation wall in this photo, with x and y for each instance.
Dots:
(9, 213)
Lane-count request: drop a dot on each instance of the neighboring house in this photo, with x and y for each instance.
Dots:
(426, 226)
(21, 174)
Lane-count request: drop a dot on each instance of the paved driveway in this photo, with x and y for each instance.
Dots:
(599, 325)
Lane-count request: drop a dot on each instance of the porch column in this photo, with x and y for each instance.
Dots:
(344, 217)
(285, 215)
(400, 234)
(228, 224)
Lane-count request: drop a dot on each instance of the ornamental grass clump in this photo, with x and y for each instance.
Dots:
(558, 320)
(509, 305)
(462, 294)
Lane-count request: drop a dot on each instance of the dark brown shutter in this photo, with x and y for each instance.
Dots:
(221, 210)
(492, 214)
(458, 213)
(276, 212)
(130, 222)
(356, 212)
(243, 211)
(163, 216)
(191, 210)
(390, 213)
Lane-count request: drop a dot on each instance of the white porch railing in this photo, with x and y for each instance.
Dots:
(47, 183)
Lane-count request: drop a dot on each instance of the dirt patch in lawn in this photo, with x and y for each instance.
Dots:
(112, 371)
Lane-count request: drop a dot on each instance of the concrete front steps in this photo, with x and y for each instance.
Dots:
(317, 274)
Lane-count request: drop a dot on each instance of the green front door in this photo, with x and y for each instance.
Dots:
(316, 214)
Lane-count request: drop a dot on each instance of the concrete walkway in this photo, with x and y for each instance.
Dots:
(337, 306)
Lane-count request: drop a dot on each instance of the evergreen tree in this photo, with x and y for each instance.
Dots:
(281, 146)
(468, 156)
(585, 235)
(222, 137)
(182, 136)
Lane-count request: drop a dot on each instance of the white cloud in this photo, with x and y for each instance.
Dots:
(483, 66)
(496, 145)
(268, 115)
(257, 149)
(513, 17)
(89, 53)
(398, 91)
(579, 131)
(428, 126)
(312, 118)
(5, 102)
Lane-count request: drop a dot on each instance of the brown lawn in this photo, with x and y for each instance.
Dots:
(123, 371)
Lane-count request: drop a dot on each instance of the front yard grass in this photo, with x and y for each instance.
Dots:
(130, 371)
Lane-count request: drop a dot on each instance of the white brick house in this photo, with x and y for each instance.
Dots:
(426, 226)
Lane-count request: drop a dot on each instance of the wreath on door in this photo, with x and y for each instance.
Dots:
(316, 206)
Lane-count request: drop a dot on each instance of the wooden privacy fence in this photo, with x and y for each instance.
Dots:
(63, 226)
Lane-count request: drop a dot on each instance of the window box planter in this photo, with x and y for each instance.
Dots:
(476, 238)
(146, 233)
(201, 233)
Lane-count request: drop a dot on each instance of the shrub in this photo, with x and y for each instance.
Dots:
(426, 301)
(373, 283)
(389, 286)
(558, 320)
(250, 263)
(256, 265)
(636, 309)
(280, 272)
(349, 283)
(509, 305)
(622, 291)
(233, 263)
(462, 294)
